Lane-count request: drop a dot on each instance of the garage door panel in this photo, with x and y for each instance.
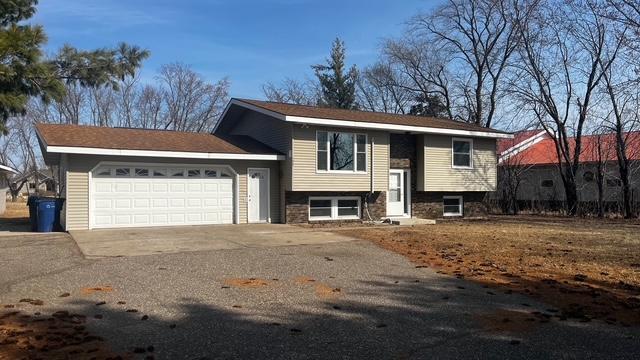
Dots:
(158, 200)
(176, 203)
(211, 188)
(141, 187)
(160, 203)
(160, 187)
(142, 219)
(179, 187)
(141, 203)
(103, 204)
(121, 204)
(177, 218)
(194, 203)
(122, 187)
(194, 187)
(103, 187)
(123, 219)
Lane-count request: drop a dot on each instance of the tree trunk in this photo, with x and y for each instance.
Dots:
(600, 180)
(571, 194)
(626, 193)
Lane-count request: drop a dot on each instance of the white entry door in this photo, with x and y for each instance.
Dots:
(258, 195)
(396, 198)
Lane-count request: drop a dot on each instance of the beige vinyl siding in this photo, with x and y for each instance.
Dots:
(77, 202)
(269, 131)
(439, 174)
(305, 177)
(81, 165)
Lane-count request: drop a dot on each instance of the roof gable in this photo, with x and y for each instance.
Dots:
(361, 119)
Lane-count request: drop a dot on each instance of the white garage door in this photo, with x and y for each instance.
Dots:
(137, 196)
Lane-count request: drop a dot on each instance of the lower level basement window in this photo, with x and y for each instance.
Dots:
(452, 206)
(334, 208)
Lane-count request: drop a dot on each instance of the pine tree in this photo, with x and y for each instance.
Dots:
(338, 88)
(428, 105)
(26, 73)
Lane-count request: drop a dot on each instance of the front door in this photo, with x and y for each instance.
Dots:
(258, 195)
(397, 196)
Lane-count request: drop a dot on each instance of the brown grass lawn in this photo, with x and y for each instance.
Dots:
(15, 211)
(588, 269)
(15, 218)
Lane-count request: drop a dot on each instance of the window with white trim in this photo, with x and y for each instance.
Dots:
(462, 153)
(452, 206)
(334, 208)
(341, 152)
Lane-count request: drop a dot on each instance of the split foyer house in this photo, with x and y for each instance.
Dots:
(273, 162)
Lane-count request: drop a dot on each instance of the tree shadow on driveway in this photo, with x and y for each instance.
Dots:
(394, 317)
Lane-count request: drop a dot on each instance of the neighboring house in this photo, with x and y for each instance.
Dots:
(35, 182)
(534, 153)
(273, 162)
(5, 173)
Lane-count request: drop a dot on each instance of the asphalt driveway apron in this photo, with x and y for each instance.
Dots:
(160, 240)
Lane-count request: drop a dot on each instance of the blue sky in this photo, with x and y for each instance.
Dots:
(250, 41)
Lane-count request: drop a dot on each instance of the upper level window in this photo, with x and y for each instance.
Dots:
(462, 153)
(341, 151)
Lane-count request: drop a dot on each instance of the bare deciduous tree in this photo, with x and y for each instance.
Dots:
(192, 104)
(382, 88)
(292, 91)
(149, 108)
(561, 63)
(481, 38)
(424, 67)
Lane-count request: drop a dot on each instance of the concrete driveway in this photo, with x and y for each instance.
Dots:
(343, 299)
(160, 240)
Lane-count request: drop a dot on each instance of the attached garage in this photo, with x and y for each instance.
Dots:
(119, 178)
(134, 195)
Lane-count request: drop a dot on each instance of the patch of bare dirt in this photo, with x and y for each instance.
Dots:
(325, 291)
(588, 269)
(61, 335)
(247, 283)
(321, 290)
(96, 289)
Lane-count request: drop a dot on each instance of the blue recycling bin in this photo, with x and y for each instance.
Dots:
(32, 203)
(46, 214)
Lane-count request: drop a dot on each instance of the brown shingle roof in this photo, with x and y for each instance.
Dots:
(365, 116)
(141, 139)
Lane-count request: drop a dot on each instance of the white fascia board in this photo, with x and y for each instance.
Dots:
(153, 153)
(246, 106)
(522, 146)
(416, 129)
(8, 169)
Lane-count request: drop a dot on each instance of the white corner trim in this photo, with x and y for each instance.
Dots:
(417, 129)
(522, 146)
(165, 154)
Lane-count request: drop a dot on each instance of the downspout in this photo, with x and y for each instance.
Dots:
(370, 195)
